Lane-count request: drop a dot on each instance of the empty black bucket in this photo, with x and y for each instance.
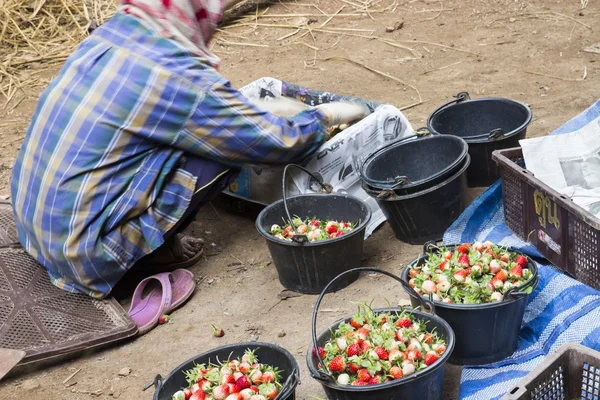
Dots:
(488, 332)
(408, 166)
(267, 353)
(486, 124)
(422, 216)
(426, 384)
(308, 267)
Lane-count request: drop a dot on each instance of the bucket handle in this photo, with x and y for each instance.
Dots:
(425, 305)
(458, 98)
(491, 135)
(398, 181)
(515, 291)
(157, 382)
(327, 188)
(290, 382)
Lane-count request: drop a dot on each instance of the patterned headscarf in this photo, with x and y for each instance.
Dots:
(190, 22)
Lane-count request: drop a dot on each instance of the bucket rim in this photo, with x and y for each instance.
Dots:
(360, 228)
(386, 385)
(439, 304)
(251, 345)
(416, 184)
(507, 135)
(375, 194)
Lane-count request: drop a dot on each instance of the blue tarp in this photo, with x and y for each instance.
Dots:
(560, 310)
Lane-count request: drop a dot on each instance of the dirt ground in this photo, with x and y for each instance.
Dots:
(532, 51)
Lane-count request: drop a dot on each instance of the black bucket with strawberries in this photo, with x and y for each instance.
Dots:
(391, 353)
(481, 290)
(313, 238)
(244, 370)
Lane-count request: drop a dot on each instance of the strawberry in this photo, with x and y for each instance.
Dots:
(353, 368)
(441, 349)
(359, 383)
(200, 395)
(246, 394)
(357, 322)
(343, 379)
(332, 229)
(288, 232)
(187, 393)
(381, 353)
(408, 369)
(233, 388)
(227, 379)
(412, 283)
(204, 385)
(314, 223)
(396, 372)
(254, 388)
(268, 390)
(268, 377)
(413, 272)
(353, 350)
(414, 355)
(218, 332)
(461, 275)
(244, 367)
(495, 266)
(255, 376)
(364, 375)
(394, 355)
(502, 275)
(362, 333)
(447, 301)
(221, 392)
(463, 248)
(321, 352)
(427, 338)
(505, 257)
(403, 323)
(429, 287)
(430, 357)
(376, 380)
(521, 260)
(338, 364)
(516, 271)
(444, 265)
(338, 234)
(365, 346)
(448, 255)
(399, 336)
(243, 382)
(302, 229)
(163, 319)
(496, 296)
(496, 283)
(258, 397)
(478, 246)
(463, 260)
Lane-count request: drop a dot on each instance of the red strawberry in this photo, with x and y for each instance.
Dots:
(396, 372)
(463, 260)
(338, 364)
(461, 275)
(221, 392)
(338, 234)
(414, 355)
(376, 380)
(254, 389)
(441, 349)
(444, 265)
(353, 350)
(381, 353)
(227, 379)
(314, 222)
(187, 393)
(357, 322)
(233, 388)
(321, 352)
(403, 323)
(163, 319)
(399, 337)
(243, 382)
(196, 387)
(430, 357)
(463, 248)
(413, 272)
(448, 255)
(365, 346)
(364, 375)
(505, 257)
(353, 368)
(516, 271)
(359, 383)
(362, 333)
(427, 338)
(218, 332)
(332, 229)
(521, 260)
(496, 283)
(200, 395)
(502, 275)
(268, 377)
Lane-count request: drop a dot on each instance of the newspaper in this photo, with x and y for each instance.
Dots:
(337, 161)
(569, 163)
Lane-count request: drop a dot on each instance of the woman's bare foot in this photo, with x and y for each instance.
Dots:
(179, 251)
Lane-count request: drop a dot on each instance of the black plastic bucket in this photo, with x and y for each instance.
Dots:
(308, 267)
(267, 353)
(488, 332)
(486, 124)
(426, 384)
(419, 217)
(408, 166)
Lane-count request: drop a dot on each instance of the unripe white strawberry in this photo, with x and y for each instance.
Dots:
(247, 394)
(444, 286)
(408, 369)
(343, 379)
(478, 246)
(496, 296)
(495, 266)
(342, 344)
(429, 287)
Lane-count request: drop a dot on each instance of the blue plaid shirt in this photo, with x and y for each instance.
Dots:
(98, 180)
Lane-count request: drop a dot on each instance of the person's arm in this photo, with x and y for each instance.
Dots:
(228, 128)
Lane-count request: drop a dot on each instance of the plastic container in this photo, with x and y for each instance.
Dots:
(572, 372)
(408, 166)
(422, 216)
(308, 267)
(267, 353)
(488, 332)
(426, 384)
(563, 232)
(486, 124)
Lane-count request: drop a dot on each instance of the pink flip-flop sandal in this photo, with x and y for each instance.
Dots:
(145, 311)
(182, 287)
